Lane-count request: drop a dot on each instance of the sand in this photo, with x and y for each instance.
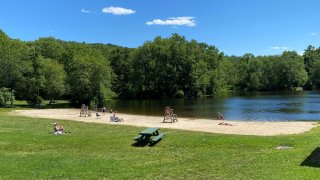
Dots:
(261, 128)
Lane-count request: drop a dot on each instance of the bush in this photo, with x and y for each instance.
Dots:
(2, 100)
(179, 94)
(5, 96)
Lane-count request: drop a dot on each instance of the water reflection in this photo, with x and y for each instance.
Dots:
(254, 107)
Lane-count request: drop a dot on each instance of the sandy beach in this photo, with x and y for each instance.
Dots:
(202, 125)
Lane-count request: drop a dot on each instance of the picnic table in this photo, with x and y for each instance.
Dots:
(151, 135)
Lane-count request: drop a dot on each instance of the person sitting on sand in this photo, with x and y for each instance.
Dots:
(114, 118)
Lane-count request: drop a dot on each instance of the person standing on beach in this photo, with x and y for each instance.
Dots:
(219, 116)
(104, 109)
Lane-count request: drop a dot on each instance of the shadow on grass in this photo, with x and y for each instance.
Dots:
(140, 144)
(313, 160)
(55, 105)
(144, 143)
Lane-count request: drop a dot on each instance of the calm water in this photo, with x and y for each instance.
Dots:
(255, 107)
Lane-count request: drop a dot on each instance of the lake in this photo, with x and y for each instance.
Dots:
(249, 106)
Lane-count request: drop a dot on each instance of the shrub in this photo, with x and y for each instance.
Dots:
(179, 94)
(5, 96)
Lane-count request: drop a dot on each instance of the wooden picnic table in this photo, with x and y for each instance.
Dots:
(145, 135)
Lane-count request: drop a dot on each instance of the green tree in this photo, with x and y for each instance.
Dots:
(254, 82)
(35, 82)
(54, 78)
(14, 64)
(315, 75)
(169, 66)
(120, 63)
(292, 73)
(311, 57)
(50, 48)
(90, 78)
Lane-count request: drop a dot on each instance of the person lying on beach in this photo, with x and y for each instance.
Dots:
(226, 124)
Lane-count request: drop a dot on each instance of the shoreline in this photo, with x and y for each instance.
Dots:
(258, 128)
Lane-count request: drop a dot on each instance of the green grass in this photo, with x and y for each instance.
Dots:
(98, 151)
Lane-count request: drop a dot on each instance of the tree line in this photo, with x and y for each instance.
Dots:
(50, 68)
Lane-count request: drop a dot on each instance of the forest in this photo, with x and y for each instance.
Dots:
(173, 67)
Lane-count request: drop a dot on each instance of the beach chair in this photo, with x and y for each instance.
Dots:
(83, 113)
(174, 118)
(168, 115)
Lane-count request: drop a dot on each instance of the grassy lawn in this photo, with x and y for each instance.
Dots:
(97, 151)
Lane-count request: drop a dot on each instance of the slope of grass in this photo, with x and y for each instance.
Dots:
(97, 151)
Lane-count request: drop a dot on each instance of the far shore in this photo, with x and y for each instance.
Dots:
(258, 128)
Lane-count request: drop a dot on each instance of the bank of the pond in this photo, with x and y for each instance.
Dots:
(263, 128)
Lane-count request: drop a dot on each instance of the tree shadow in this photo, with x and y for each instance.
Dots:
(313, 160)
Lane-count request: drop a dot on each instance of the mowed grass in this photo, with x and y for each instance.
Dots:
(98, 151)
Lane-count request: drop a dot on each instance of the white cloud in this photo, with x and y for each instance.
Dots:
(314, 34)
(300, 53)
(280, 47)
(118, 10)
(85, 11)
(174, 21)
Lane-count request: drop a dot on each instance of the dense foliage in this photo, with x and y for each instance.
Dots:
(49, 68)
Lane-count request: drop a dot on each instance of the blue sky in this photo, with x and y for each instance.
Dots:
(261, 27)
